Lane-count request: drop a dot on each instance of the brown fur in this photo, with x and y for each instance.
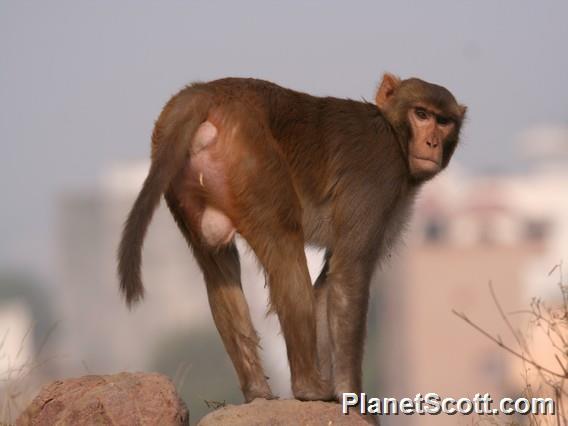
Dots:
(288, 169)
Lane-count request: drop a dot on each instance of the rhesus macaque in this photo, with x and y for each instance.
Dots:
(285, 169)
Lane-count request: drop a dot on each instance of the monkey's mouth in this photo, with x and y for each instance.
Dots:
(421, 167)
(427, 160)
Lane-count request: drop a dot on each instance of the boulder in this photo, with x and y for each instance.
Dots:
(261, 412)
(118, 399)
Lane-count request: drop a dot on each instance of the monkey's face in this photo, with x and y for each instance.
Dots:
(427, 120)
(430, 130)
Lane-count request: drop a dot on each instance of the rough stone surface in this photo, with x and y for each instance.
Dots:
(262, 412)
(119, 399)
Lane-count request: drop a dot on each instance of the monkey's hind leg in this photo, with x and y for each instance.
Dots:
(321, 289)
(221, 270)
(292, 299)
(269, 218)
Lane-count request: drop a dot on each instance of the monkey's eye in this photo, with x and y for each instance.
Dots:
(421, 113)
(442, 121)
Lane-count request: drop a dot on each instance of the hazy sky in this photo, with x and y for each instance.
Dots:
(81, 82)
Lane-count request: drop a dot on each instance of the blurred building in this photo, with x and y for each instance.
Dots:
(466, 232)
(101, 333)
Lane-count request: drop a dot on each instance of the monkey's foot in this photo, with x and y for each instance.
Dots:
(316, 391)
(253, 394)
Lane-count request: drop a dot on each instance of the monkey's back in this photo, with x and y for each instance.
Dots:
(315, 134)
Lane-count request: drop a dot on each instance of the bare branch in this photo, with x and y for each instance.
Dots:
(506, 347)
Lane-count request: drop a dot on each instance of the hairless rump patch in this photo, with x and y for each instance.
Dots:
(206, 135)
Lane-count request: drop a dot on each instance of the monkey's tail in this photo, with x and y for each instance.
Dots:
(173, 132)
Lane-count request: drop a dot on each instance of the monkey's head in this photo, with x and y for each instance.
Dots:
(427, 120)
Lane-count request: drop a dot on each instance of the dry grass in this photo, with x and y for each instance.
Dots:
(17, 382)
(550, 320)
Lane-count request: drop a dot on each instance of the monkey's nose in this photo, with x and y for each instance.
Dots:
(432, 144)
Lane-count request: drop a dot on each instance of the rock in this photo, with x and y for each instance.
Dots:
(261, 412)
(119, 399)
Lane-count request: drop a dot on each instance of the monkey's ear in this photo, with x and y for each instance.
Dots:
(386, 89)
(463, 110)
